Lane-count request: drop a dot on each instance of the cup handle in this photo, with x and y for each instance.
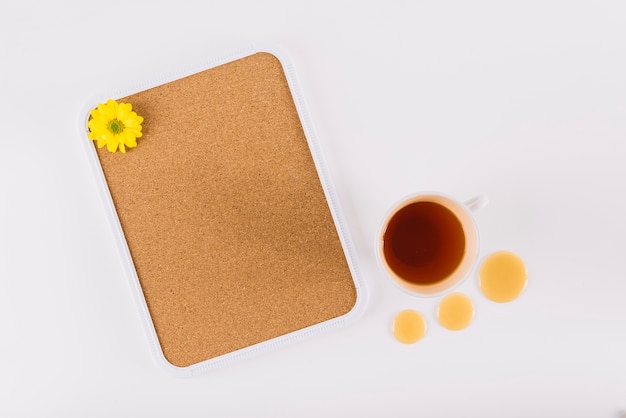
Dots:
(477, 203)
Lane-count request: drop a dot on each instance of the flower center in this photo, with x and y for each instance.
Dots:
(116, 126)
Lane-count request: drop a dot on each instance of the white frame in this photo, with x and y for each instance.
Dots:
(307, 125)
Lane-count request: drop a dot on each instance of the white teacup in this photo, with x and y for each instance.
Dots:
(429, 242)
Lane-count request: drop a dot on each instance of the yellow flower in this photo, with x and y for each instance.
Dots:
(115, 125)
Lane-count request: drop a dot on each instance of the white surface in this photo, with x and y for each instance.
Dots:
(522, 101)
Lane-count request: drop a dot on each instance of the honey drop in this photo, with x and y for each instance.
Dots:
(502, 276)
(455, 311)
(409, 326)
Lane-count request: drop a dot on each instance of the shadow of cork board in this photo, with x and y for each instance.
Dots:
(224, 214)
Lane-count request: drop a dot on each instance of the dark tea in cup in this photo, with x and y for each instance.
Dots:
(428, 243)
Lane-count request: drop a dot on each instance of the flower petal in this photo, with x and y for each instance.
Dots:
(112, 146)
(102, 111)
(111, 109)
(123, 111)
(131, 120)
(129, 139)
(136, 132)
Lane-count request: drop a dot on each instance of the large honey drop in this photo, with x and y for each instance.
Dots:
(455, 311)
(409, 326)
(502, 276)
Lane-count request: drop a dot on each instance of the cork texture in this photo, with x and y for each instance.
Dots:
(224, 213)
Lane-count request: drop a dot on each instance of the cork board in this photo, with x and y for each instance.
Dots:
(224, 214)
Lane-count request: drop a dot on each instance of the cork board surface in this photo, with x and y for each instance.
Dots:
(224, 213)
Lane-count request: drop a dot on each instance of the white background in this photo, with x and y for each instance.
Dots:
(524, 101)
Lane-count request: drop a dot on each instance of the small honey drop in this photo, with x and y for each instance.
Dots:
(502, 276)
(409, 326)
(455, 311)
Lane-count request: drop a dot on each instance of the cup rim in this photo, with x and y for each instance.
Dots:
(449, 283)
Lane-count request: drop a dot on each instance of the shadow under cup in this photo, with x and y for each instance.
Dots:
(428, 243)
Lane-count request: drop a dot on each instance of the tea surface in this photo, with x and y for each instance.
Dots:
(424, 243)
